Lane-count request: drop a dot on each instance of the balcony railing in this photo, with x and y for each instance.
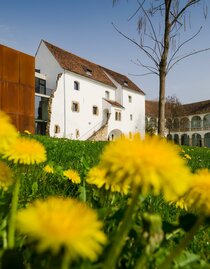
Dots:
(187, 129)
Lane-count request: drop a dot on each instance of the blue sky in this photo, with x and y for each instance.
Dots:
(85, 28)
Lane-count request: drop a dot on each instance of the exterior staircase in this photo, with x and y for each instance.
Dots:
(101, 134)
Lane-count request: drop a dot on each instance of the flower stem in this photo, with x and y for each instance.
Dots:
(66, 260)
(141, 262)
(167, 262)
(11, 223)
(121, 235)
(84, 191)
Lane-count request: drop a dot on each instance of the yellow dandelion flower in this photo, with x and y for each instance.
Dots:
(8, 133)
(63, 222)
(72, 175)
(97, 176)
(26, 151)
(6, 176)
(180, 203)
(187, 156)
(27, 132)
(198, 198)
(151, 164)
(48, 169)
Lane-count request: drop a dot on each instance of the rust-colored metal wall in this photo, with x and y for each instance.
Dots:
(17, 87)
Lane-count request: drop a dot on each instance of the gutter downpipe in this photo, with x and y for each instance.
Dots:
(64, 105)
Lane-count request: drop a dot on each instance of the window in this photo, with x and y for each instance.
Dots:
(95, 110)
(41, 108)
(125, 83)
(87, 70)
(131, 117)
(118, 116)
(40, 127)
(57, 129)
(76, 85)
(107, 94)
(41, 114)
(77, 133)
(40, 85)
(75, 107)
(129, 98)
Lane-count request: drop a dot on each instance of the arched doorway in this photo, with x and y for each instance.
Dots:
(196, 140)
(196, 122)
(176, 139)
(114, 134)
(207, 140)
(169, 137)
(184, 124)
(206, 122)
(185, 139)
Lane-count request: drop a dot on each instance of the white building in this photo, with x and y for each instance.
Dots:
(86, 101)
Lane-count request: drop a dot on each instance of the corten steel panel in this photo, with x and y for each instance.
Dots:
(10, 97)
(1, 61)
(15, 119)
(27, 67)
(10, 65)
(26, 100)
(0, 94)
(26, 123)
(17, 87)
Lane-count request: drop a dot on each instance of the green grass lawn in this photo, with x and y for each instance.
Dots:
(63, 154)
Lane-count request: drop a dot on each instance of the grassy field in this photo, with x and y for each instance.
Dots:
(157, 227)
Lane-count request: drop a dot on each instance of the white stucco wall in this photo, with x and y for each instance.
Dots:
(91, 93)
(136, 108)
(48, 66)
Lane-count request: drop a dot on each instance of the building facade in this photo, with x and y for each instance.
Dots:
(189, 126)
(78, 99)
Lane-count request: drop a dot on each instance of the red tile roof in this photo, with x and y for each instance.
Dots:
(151, 108)
(197, 108)
(76, 64)
(113, 103)
(123, 80)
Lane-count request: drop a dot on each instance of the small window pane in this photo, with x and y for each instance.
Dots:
(95, 110)
(75, 107)
(76, 85)
(106, 94)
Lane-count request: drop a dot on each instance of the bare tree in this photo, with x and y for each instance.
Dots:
(174, 109)
(158, 41)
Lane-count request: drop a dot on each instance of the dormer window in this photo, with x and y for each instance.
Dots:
(125, 83)
(76, 85)
(88, 71)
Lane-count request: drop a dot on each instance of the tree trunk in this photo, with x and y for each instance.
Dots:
(162, 90)
(162, 70)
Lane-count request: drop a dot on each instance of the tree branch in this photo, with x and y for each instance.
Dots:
(186, 56)
(184, 43)
(190, 3)
(138, 45)
(152, 27)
